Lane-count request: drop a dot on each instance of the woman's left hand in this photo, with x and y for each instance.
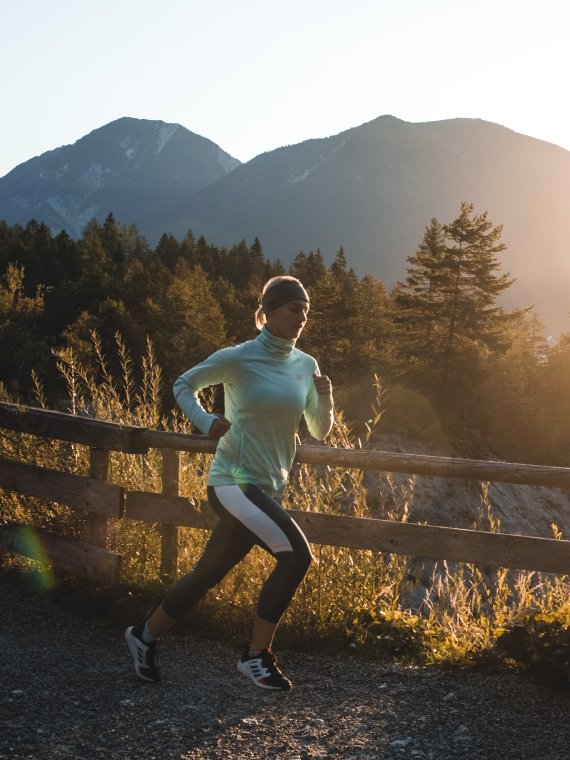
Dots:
(322, 384)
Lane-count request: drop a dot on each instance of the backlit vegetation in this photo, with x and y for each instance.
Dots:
(367, 601)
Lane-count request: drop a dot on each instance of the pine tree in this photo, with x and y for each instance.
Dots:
(258, 265)
(551, 437)
(188, 249)
(325, 335)
(339, 265)
(472, 283)
(419, 300)
(168, 250)
(310, 269)
(446, 313)
(508, 394)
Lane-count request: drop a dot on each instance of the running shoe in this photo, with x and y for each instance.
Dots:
(144, 654)
(262, 669)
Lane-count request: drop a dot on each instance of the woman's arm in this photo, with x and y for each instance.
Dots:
(216, 369)
(320, 406)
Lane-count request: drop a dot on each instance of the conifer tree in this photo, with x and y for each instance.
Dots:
(446, 312)
(509, 390)
(419, 300)
(472, 282)
(188, 249)
(168, 250)
(325, 336)
(96, 281)
(339, 265)
(551, 437)
(310, 269)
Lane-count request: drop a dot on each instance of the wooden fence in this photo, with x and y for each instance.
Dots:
(102, 500)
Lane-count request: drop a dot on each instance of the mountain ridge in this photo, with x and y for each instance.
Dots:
(372, 189)
(123, 166)
(389, 179)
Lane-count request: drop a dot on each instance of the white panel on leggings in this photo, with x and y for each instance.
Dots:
(236, 502)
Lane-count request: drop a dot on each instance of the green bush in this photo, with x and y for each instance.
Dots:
(540, 640)
(391, 634)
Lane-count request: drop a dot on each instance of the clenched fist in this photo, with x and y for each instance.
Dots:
(322, 384)
(219, 427)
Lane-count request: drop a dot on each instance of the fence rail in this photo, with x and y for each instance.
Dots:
(103, 500)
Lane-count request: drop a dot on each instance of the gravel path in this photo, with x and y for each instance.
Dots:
(67, 690)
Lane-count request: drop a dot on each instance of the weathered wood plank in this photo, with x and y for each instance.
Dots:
(96, 526)
(434, 542)
(62, 487)
(388, 461)
(454, 544)
(169, 510)
(161, 439)
(446, 467)
(71, 427)
(63, 552)
(101, 434)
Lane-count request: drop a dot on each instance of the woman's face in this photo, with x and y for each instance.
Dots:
(287, 321)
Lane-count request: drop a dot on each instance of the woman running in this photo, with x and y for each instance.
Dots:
(268, 385)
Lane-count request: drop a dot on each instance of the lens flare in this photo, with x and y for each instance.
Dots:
(29, 544)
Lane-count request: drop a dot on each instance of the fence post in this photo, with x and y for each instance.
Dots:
(169, 533)
(96, 526)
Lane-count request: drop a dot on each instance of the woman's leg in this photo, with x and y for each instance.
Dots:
(248, 516)
(277, 533)
(228, 545)
(262, 635)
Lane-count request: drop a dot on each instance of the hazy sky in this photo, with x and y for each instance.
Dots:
(253, 75)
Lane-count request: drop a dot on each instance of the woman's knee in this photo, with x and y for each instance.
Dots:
(296, 562)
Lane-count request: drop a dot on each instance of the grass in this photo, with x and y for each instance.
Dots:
(366, 601)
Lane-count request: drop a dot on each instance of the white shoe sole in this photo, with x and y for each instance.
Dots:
(134, 648)
(243, 668)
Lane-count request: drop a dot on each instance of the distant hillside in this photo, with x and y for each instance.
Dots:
(140, 170)
(376, 187)
(372, 189)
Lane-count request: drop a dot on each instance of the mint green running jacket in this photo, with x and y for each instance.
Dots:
(268, 387)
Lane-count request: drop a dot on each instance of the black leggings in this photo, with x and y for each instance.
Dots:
(248, 516)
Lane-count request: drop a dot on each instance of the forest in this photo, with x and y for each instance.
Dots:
(453, 365)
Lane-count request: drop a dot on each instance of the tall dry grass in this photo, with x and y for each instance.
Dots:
(363, 599)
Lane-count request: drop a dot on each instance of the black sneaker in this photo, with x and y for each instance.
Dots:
(263, 671)
(143, 654)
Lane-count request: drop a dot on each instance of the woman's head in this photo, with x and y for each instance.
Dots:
(284, 306)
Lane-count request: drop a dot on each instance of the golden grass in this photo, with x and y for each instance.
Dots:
(357, 598)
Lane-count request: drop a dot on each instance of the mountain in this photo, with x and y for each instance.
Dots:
(138, 169)
(372, 189)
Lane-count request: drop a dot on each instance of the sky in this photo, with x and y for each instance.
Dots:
(256, 75)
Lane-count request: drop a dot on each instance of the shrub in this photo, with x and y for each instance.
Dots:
(391, 634)
(540, 640)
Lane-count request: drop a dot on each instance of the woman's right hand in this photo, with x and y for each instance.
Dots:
(219, 427)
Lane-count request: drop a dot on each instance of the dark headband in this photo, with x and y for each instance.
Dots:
(285, 291)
